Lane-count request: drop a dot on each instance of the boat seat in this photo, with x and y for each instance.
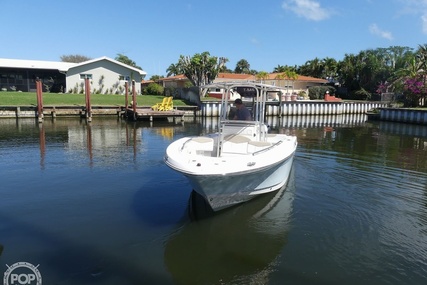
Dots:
(259, 144)
(235, 144)
(236, 139)
(202, 139)
(199, 146)
(254, 146)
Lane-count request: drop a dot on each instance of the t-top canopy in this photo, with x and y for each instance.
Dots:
(245, 89)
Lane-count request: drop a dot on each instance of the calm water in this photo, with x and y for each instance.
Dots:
(95, 204)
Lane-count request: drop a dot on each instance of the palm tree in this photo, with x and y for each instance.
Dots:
(312, 68)
(283, 68)
(329, 68)
(242, 66)
(202, 68)
(279, 77)
(262, 75)
(421, 56)
(290, 75)
(173, 69)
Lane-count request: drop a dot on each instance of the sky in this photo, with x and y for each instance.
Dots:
(154, 34)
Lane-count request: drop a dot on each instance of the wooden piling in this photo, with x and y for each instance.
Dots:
(39, 93)
(134, 100)
(87, 97)
(126, 95)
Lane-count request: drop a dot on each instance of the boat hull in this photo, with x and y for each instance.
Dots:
(242, 159)
(222, 191)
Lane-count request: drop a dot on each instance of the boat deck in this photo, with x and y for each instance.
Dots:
(149, 114)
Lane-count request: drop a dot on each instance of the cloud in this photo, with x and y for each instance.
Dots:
(416, 7)
(254, 41)
(308, 9)
(375, 30)
(424, 23)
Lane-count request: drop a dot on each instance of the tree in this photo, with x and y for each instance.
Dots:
(75, 58)
(201, 69)
(287, 74)
(330, 68)
(312, 68)
(153, 89)
(242, 66)
(292, 76)
(410, 80)
(126, 60)
(262, 75)
(173, 70)
(156, 77)
(283, 68)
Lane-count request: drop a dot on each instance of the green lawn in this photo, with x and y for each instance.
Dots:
(54, 99)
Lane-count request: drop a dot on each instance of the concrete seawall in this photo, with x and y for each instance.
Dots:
(320, 107)
(403, 115)
(213, 109)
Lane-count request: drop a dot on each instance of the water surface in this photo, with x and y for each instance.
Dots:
(95, 204)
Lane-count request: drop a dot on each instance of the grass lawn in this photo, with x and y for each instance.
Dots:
(55, 99)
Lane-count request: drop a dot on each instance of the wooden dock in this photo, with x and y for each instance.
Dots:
(150, 115)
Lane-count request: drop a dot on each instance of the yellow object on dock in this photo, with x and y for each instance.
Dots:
(165, 105)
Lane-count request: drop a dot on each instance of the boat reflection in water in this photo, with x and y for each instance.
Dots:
(239, 245)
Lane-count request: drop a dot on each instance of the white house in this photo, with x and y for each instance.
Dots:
(106, 75)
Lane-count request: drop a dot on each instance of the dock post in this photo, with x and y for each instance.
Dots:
(39, 100)
(87, 97)
(134, 100)
(126, 98)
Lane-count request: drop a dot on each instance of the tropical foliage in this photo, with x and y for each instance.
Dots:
(375, 71)
(200, 69)
(242, 66)
(126, 60)
(75, 58)
(364, 76)
(153, 89)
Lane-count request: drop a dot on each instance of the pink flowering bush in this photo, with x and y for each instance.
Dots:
(414, 90)
(383, 87)
(414, 85)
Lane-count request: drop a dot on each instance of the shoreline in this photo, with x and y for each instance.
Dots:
(213, 109)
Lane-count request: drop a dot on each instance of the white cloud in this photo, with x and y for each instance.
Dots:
(308, 9)
(254, 41)
(416, 7)
(424, 23)
(375, 30)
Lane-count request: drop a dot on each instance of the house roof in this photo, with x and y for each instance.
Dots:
(35, 64)
(240, 76)
(58, 65)
(141, 72)
(147, 81)
(174, 78)
(235, 76)
(273, 76)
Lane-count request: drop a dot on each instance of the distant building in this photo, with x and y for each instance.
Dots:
(106, 75)
(290, 86)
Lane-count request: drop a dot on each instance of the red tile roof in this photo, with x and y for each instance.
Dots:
(240, 76)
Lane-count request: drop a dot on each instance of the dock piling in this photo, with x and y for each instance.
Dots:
(39, 100)
(134, 100)
(88, 113)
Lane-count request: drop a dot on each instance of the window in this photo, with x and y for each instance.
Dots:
(123, 77)
(83, 76)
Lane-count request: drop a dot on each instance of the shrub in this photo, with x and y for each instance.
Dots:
(318, 92)
(362, 94)
(153, 89)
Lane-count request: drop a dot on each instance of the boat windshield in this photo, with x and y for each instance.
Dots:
(253, 95)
